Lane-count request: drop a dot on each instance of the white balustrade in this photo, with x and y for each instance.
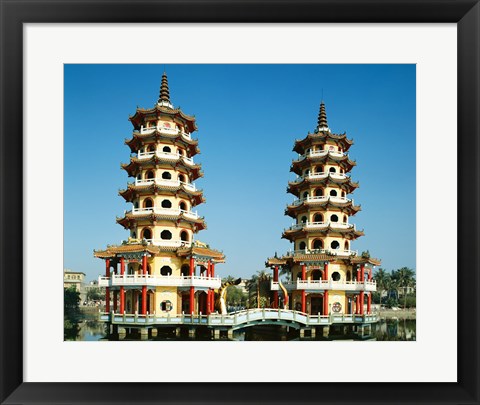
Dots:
(321, 225)
(166, 155)
(164, 211)
(333, 252)
(159, 280)
(341, 285)
(164, 182)
(165, 130)
(321, 199)
(323, 152)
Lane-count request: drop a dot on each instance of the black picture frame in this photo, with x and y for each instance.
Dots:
(465, 13)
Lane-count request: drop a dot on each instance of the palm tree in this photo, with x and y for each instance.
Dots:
(258, 287)
(406, 279)
(382, 278)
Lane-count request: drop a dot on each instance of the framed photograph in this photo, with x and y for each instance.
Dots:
(55, 62)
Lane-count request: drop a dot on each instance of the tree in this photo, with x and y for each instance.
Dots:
(382, 278)
(71, 300)
(94, 294)
(405, 280)
(258, 287)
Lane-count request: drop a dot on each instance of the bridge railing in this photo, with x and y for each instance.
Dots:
(236, 319)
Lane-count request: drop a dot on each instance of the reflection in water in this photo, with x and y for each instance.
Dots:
(88, 328)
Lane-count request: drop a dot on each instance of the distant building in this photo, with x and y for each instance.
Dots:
(73, 278)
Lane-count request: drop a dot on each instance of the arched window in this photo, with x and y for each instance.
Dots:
(150, 175)
(167, 149)
(344, 219)
(305, 194)
(319, 169)
(333, 193)
(183, 206)
(318, 217)
(346, 245)
(146, 233)
(334, 218)
(166, 204)
(335, 244)
(185, 270)
(180, 152)
(166, 235)
(306, 172)
(130, 270)
(319, 192)
(332, 170)
(336, 276)
(166, 271)
(343, 194)
(317, 244)
(184, 236)
(302, 245)
(147, 203)
(316, 275)
(166, 175)
(303, 220)
(135, 204)
(181, 177)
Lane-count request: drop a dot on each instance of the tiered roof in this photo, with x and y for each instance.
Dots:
(132, 190)
(156, 160)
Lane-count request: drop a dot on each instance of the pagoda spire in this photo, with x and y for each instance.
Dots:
(164, 97)
(322, 118)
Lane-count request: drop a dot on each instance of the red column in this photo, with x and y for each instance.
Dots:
(122, 266)
(122, 289)
(357, 304)
(362, 272)
(192, 289)
(362, 300)
(209, 291)
(325, 303)
(144, 265)
(107, 289)
(212, 274)
(325, 270)
(369, 303)
(370, 275)
(304, 295)
(122, 300)
(275, 293)
(144, 287)
(115, 299)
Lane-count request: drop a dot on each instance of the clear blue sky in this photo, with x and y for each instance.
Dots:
(248, 118)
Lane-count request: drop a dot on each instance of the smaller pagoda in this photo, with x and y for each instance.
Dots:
(325, 275)
(161, 268)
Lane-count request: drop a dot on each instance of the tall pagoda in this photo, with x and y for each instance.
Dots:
(325, 275)
(161, 269)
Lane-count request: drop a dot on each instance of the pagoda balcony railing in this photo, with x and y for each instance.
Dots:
(118, 280)
(322, 175)
(322, 198)
(164, 130)
(169, 243)
(341, 285)
(164, 211)
(323, 152)
(333, 252)
(167, 183)
(321, 225)
(165, 155)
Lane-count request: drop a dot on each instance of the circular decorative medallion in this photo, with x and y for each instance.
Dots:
(336, 307)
